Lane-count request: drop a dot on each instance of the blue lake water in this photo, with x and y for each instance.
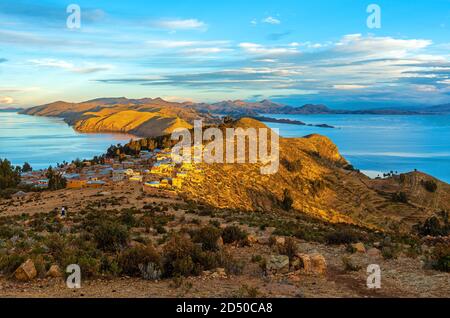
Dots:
(376, 144)
(373, 144)
(43, 141)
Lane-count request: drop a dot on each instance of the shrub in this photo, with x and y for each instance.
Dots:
(440, 258)
(231, 264)
(429, 185)
(110, 236)
(349, 266)
(90, 267)
(256, 258)
(127, 218)
(344, 236)
(9, 263)
(179, 255)
(109, 265)
(400, 197)
(434, 226)
(292, 166)
(287, 200)
(246, 291)
(184, 258)
(132, 259)
(233, 234)
(208, 237)
(389, 252)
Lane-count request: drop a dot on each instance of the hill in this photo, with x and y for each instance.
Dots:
(322, 184)
(142, 117)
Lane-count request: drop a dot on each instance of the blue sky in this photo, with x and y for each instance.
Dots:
(290, 51)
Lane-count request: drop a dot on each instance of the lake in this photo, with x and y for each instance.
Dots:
(376, 144)
(44, 141)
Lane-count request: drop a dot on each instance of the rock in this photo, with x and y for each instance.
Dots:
(305, 262)
(294, 276)
(219, 242)
(26, 271)
(374, 252)
(359, 247)
(278, 264)
(296, 264)
(217, 273)
(319, 264)
(279, 240)
(251, 239)
(54, 271)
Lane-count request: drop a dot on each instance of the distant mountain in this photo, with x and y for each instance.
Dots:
(11, 109)
(241, 108)
(444, 108)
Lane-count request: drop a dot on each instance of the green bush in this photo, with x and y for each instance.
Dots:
(127, 218)
(110, 236)
(9, 263)
(440, 258)
(342, 236)
(208, 237)
(430, 185)
(437, 225)
(181, 257)
(233, 234)
(132, 258)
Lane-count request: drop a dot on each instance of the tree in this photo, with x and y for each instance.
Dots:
(287, 202)
(26, 167)
(9, 175)
(56, 180)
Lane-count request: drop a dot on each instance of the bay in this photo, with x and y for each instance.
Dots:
(44, 141)
(378, 144)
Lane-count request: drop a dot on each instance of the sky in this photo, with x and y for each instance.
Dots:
(290, 51)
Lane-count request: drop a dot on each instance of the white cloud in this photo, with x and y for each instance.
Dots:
(6, 100)
(186, 24)
(207, 50)
(271, 20)
(85, 68)
(348, 86)
(426, 88)
(255, 48)
(173, 44)
(380, 46)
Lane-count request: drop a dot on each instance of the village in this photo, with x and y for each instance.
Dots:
(154, 170)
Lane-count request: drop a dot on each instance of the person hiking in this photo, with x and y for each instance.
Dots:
(63, 212)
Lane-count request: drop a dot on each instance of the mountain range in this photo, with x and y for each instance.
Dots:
(154, 116)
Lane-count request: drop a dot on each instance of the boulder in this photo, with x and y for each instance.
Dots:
(374, 252)
(277, 264)
(305, 262)
(279, 240)
(359, 247)
(318, 263)
(26, 271)
(54, 271)
(251, 239)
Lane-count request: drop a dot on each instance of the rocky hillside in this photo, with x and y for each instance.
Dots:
(313, 178)
(142, 117)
